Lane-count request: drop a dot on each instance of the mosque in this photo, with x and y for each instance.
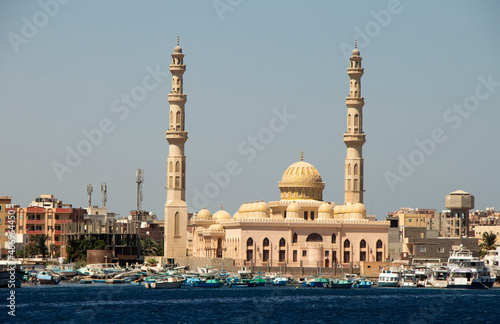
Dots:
(300, 229)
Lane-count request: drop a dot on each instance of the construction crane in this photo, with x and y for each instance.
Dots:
(89, 194)
(104, 190)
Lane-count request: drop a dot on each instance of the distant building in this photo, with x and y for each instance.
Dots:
(5, 204)
(413, 217)
(48, 215)
(481, 229)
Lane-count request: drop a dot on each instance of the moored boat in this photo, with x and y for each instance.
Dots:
(389, 278)
(339, 284)
(467, 271)
(164, 282)
(48, 278)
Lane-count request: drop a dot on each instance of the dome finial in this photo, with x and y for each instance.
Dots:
(355, 43)
(178, 40)
(302, 155)
(220, 206)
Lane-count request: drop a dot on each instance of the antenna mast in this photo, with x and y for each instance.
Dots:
(89, 194)
(139, 181)
(104, 190)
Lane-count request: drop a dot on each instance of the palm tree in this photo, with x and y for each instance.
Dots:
(488, 243)
(40, 246)
(149, 247)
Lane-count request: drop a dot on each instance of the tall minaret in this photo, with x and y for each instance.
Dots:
(354, 138)
(176, 207)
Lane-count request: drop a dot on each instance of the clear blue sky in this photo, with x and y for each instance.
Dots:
(64, 68)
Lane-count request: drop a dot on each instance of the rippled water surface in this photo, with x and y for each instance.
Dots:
(96, 303)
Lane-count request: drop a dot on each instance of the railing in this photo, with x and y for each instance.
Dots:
(33, 221)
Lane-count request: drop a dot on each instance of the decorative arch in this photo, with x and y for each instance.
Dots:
(176, 224)
(334, 238)
(250, 242)
(349, 169)
(379, 244)
(265, 242)
(171, 166)
(356, 119)
(177, 166)
(314, 237)
(178, 117)
(282, 242)
(362, 244)
(294, 238)
(171, 117)
(347, 243)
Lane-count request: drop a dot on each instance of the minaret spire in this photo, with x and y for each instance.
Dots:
(176, 207)
(354, 138)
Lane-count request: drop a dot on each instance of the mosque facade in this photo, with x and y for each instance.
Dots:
(300, 229)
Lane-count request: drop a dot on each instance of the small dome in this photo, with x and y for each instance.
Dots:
(216, 228)
(355, 52)
(178, 50)
(348, 208)
(338, 209)
(293, 207)
(325, 208)
(221, 215)
(358, 208)
(204, 213)
(261, 207)
(237, 215)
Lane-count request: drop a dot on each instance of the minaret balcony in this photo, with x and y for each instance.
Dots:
(174, 136)
(177, 97)
(177, 67)
(355, 102)
(355, 72)
(354, 139)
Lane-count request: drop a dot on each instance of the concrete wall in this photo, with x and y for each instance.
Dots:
(99, 256)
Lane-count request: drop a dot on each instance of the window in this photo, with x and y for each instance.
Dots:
(362, 256)
(282, 242)
(347, 244)
(347, 256)
(294, 239)
(440, 249)
(177, 166)
(250, 242)
(249, 255)
(379, 256)
(334, 238)
(327, 254)
(281, 255)
(379, 244)
(305, 215)
(312, 215)
(304, 253)
(265, 255)
(422, 249)
(177, 183)
(294, 258)
(362, 244)
(349, 169)
(266, 242)
(314, 237)
(356, 169)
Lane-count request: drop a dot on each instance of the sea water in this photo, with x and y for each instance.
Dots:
(101, 303)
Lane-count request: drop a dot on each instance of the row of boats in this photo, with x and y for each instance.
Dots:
(462, 270)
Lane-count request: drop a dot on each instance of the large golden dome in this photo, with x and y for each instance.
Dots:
(301, 180)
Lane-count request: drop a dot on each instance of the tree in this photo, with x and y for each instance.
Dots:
(149, 247)
(40, 246)
(77, 249)
(488, 243)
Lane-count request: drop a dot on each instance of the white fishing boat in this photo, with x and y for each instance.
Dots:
(436, 277)
(164, 283)
(389, 277)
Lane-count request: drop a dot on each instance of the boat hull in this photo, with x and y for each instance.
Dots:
(208, 284)
(164, 285)
(388, 284)
(474, 285)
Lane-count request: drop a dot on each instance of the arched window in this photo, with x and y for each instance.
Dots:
(171, 166)
(356, 118)
(176, 224)
(349, 169)
(362, 244)
(250, 242)
(334, 238)
(347, 244)
(314, 237)
(356, 169)
(282, 242)
(349, 185)
(294, 239)
(349, 118)
(266, 242)
(379, 244)
(178, 117)
(177, 182)
(170, 182)
(171, 117)
(177, 166)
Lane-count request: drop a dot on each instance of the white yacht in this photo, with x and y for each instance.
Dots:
(466, 271)
(436, 277)
(492, 261)
(389, 278)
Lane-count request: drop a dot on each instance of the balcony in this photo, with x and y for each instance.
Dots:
(63, 221)
(33, 221)
(35, 232)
